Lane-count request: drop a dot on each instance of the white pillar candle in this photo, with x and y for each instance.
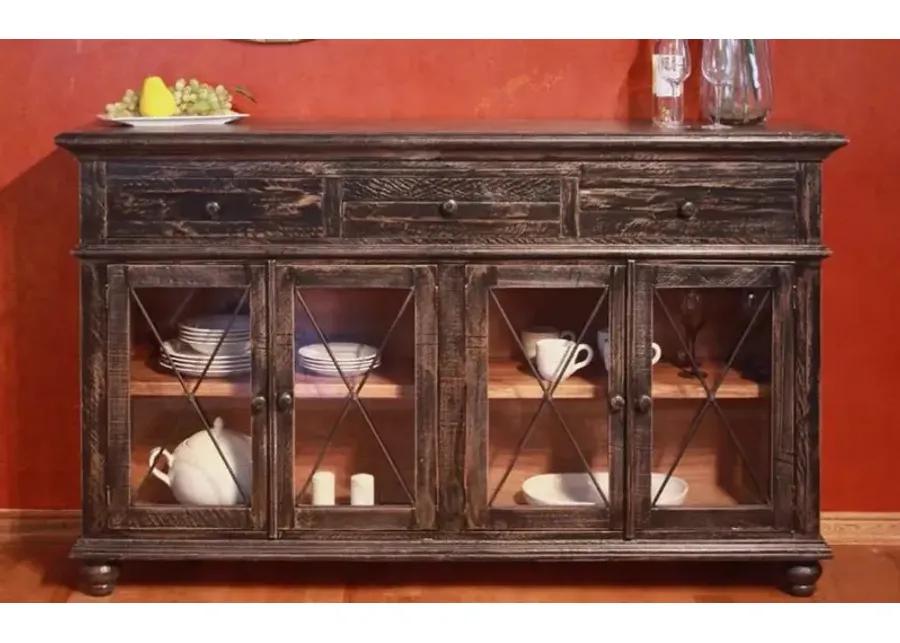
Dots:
(323, 488)
(362, 489)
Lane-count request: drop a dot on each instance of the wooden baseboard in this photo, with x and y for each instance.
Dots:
(861, 528)
(838, 527)
(39, 524)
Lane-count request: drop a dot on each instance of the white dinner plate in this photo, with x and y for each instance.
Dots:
(334, 373)
(181, 351)
(342, 351)
(232, 336)
(331, 365)
(572, 489)
(215, 324)
(217, 363)
(341, 362)
(227, 349)
(172, 121)
(194, 371)
(212, 368)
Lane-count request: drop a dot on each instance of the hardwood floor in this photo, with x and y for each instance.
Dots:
(40, 571)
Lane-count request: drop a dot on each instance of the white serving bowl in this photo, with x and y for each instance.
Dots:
(577, 489)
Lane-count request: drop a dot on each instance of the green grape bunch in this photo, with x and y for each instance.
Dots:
(127, 106)
(192, 98)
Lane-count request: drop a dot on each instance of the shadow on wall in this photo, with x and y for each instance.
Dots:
(39, 379)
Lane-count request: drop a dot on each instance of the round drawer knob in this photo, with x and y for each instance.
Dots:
(616, 403)
(213, 208)
(688, 210)
(449, 207)
(643, 404)
(257, 404)
(285, 401)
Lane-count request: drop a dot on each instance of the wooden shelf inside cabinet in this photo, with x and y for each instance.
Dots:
(390, 381)
(514, 380)
(697, 468)
(507, 380)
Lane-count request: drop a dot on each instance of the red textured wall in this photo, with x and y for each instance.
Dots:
(51, 86)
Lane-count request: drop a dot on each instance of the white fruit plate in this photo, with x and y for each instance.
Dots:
(171, 121)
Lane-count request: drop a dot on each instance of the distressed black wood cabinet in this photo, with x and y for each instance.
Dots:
(687, 263)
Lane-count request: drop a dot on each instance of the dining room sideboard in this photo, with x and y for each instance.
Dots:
(532, 340)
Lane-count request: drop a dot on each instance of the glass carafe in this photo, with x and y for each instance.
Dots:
(746, 95)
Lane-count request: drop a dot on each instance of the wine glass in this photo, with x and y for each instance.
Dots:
(693, 321)
(718, 69)
(674, 68)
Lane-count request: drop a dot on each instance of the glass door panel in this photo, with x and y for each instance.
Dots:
(356, 355)
(548, 458)
(711, 357)
(354, 410)
(711, 425)
(188, 391)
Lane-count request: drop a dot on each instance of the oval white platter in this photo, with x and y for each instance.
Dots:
(577, 489)
(171, 121)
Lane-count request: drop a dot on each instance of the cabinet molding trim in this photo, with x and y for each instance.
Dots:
(838, 527)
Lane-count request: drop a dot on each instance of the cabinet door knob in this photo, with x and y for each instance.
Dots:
(258, 403)
(213, 208)
(688, 210)
(285, 401)
(449, 207)
(616, 403)
(643, 404)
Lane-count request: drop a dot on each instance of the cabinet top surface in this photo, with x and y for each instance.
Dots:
(475, 135)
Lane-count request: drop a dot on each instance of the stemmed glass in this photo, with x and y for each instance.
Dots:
(693, 321)
(674, 68)
(718, 69)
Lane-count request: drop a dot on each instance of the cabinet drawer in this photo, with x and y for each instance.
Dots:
(435, 207)
(729, 202)
(250, 200)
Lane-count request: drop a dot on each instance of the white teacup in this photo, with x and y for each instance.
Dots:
(531, 336)
(554, 353)
(603, 345)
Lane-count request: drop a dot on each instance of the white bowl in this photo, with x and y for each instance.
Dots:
(577, 489)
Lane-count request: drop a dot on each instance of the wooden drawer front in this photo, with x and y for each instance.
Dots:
(732, 202)
(249, 200)
(406, 207)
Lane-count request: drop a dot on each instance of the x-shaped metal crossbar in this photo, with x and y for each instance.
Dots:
(711, 400)
(353, 395)
(547, 397)
(191, 391)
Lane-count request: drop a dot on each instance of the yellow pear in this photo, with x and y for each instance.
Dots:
(156, 99)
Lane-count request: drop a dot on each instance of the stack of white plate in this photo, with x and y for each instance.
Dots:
(198, 338)
(353, 358)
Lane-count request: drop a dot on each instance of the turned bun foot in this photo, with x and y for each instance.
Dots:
(801, 578)
(99, 579)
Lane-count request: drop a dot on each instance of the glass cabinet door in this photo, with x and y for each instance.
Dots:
(356, 387)
(709, 415)
(187, 397)
(545, 397)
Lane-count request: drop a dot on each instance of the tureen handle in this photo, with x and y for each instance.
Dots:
(154, 453)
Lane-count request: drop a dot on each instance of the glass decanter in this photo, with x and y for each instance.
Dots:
(744, 85)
